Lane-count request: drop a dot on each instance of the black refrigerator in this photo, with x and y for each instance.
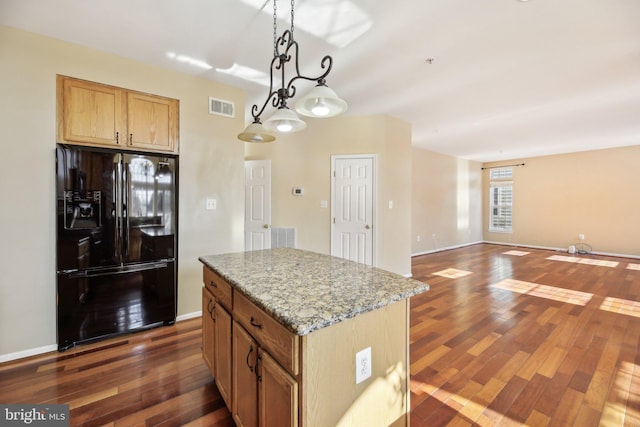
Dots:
(116, 242)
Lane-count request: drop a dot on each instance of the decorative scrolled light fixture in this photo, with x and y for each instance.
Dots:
(321, 101)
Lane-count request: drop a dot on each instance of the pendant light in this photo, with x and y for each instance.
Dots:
(256, 132)
(321, 101)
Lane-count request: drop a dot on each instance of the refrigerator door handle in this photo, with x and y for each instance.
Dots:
(117, 270)
(119, 190)
(117, 214)
(125, 208)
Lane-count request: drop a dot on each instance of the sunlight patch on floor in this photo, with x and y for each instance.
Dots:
(621, 306)
(468, 410)
(599, 262)
(452, 273)
(632, 266)
(616, 412)
(516, 253)
(544, 291)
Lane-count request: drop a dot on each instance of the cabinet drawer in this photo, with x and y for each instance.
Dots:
(219, 287)
(281, 343)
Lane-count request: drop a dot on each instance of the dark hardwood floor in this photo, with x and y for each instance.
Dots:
(500, 339)
(523, 339)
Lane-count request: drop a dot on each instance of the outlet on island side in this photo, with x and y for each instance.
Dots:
(363, 365)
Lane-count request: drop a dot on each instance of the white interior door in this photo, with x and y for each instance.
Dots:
(352, 208)
(257, 205)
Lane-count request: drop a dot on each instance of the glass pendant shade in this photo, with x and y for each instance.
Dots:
(255, 132)
(321, 101)
(284, 120)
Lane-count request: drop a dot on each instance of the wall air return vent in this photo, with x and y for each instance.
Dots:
(221, 107)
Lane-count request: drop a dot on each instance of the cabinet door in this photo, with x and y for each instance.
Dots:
(222, 352)
(245, 381)
(91, 113)
(278, 394)
(208, 329)
(151, 122)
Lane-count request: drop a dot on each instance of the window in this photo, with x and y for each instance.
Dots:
(501, 199)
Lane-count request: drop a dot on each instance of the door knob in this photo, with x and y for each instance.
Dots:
(265, 226)
(367, 226)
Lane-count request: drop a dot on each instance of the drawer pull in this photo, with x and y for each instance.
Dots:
(212, 283)
(256, 324)
(251, 368)
(212, 309)
(257, 363)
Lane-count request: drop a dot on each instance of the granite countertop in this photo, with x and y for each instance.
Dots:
(307, 291)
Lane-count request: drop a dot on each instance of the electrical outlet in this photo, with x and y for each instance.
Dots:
(418, 238)
(581, 236)
(363, 365)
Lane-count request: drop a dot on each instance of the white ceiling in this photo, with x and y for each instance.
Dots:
(509, 78)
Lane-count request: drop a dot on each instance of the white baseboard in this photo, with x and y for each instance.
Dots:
(519, 245)
(53, 347)
(189, 316)
(464, 245)
(27, 353)
(562, 249)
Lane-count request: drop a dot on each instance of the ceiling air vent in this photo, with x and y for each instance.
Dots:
(221, 107)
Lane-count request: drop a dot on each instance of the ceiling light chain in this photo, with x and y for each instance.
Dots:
(292, 7)
(321, 101)
(275, 28)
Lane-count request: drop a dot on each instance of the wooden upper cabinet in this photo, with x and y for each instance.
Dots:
(89, 112)
(152, 122)
(100, 115)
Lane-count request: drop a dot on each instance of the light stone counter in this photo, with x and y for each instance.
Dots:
(307, 291)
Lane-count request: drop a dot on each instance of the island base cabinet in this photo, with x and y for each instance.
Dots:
(245, 380)
(280, 379)
(222, 352)
(208, 329)
(216, 343)
(264, 394)
(278, 394)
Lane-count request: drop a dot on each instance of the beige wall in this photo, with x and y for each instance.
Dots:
(447, 201)
(211, 165)
(558, 197)
(304, 160)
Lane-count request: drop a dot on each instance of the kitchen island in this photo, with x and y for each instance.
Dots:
(297, 338)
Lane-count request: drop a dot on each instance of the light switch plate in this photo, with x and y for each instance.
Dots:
(211, 204)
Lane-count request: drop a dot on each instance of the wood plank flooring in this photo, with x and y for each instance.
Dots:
(500, 339)
(523, 339)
